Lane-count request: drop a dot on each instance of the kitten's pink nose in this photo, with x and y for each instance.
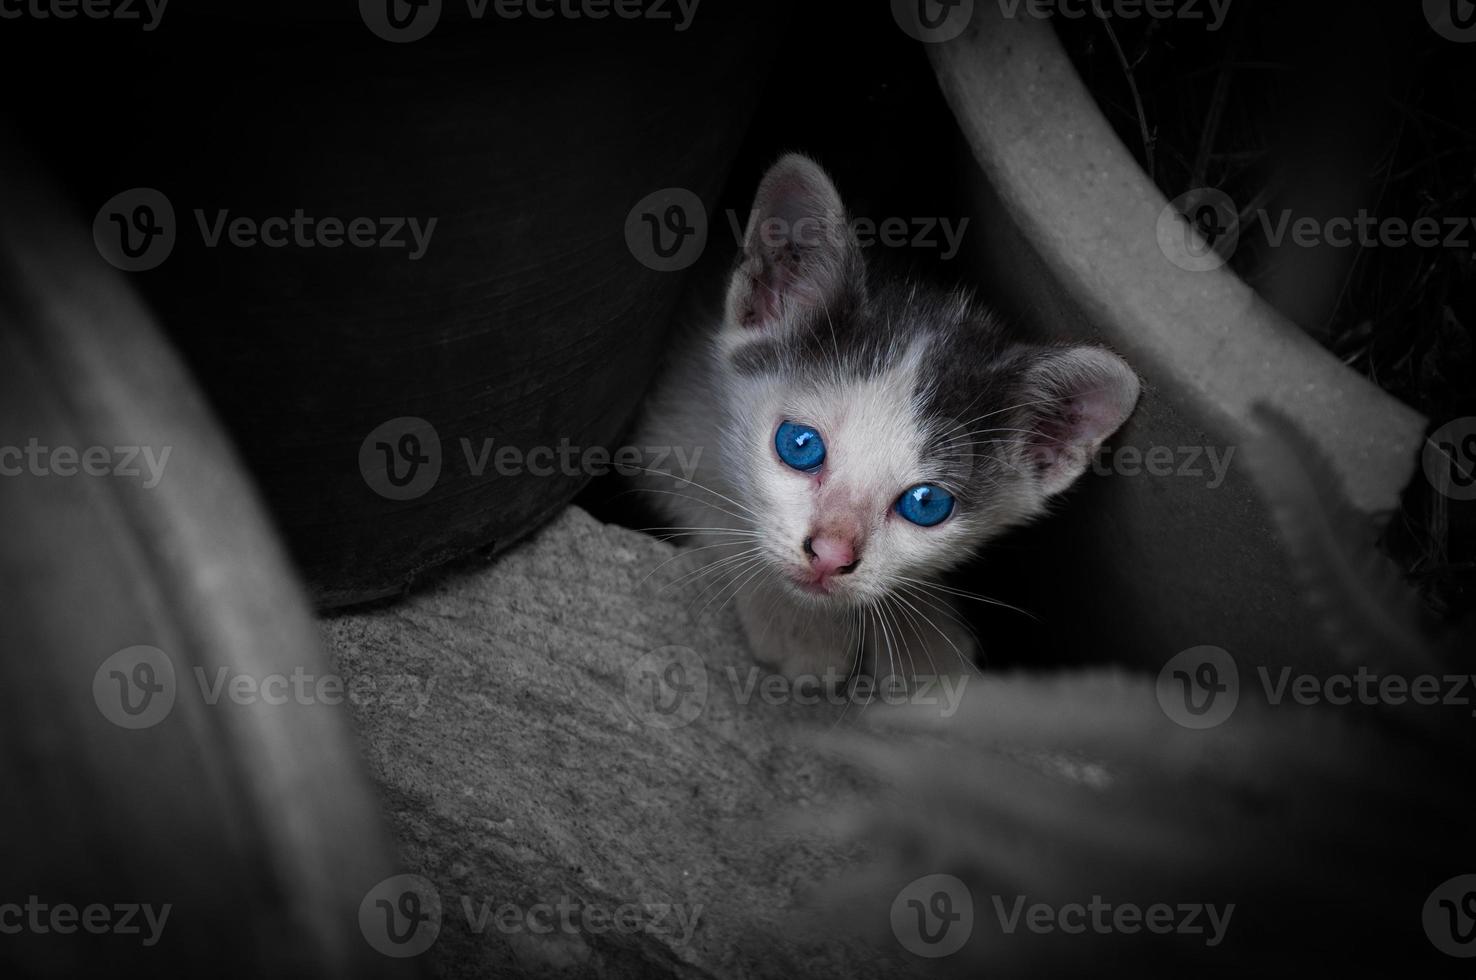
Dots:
(831, 555)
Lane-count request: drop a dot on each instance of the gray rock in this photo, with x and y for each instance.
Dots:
(507, 722)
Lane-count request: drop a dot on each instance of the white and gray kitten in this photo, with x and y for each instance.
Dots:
(858, 438)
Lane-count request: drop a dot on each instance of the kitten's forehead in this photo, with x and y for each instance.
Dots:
(905, 352)
(872, 422)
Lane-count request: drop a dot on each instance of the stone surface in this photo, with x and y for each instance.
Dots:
(517, 765)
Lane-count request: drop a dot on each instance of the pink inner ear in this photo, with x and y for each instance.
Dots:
(1092, 416)
(1076, 426)
(766, 290)
(792, 252)
(1098, 397)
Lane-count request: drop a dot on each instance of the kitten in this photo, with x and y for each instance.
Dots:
(858, 438)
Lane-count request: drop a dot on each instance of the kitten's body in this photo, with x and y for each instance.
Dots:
(907, 387)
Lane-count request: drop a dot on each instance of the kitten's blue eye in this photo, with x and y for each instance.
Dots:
(799, 446)
(925, 505)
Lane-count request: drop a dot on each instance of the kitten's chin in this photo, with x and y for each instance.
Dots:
(828, 592)
(812, 587)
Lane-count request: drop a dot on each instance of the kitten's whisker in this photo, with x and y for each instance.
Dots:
(1022, 442)
(929, 601)
(684, 553)
(887, 635)
(768, 617)
(901, 635)
(857, 639)
(710, 567)
(737, 580)
(729, 574)
(962, 594)
(903, 597)
(1002, 462)
(1038, 401)
(687, 496)
(693, 483)
(903, 615)
(762, 570)
(690, 531)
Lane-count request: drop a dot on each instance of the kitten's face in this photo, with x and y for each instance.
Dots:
(836, 530)
(879, 434)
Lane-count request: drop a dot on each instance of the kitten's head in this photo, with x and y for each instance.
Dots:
(882, 431)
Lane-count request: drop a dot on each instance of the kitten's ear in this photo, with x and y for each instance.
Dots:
(797, 250)
(1082, 395)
